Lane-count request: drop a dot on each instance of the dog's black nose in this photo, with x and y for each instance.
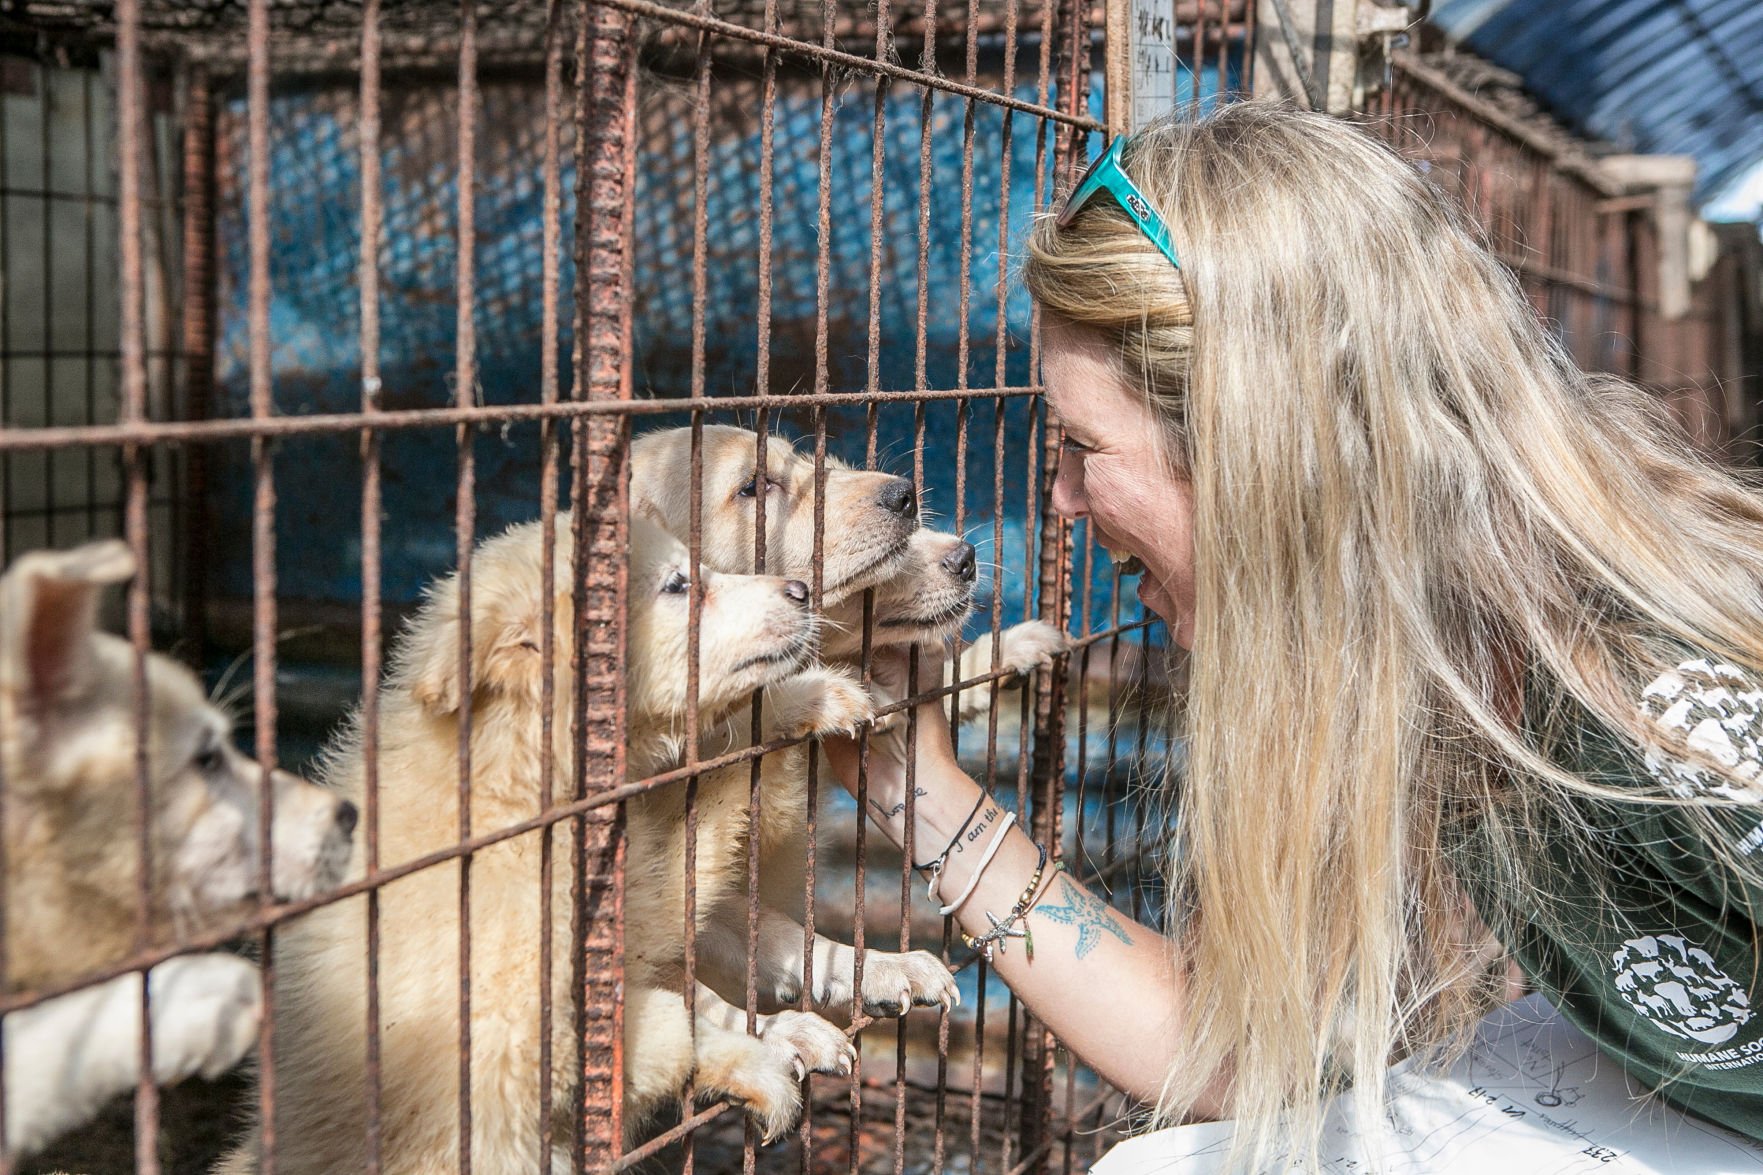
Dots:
(796, 590)
(347, 815)
(960, 562)
(898, 497)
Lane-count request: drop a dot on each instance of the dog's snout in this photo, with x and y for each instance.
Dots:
(960, 562)
(796, 590)
(347, 816)
(897, 497)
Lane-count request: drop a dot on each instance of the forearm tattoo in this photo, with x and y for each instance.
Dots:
(978, 828)
(897, 809)
(1086, 912)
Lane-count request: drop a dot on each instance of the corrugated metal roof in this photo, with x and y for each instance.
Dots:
(1679, 77)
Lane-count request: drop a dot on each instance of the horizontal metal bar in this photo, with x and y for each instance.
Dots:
(850, 61)
(208, 431)
(661, 1141)
(271, 915)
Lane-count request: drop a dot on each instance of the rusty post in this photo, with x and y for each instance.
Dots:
(368, 282)
(605, 181)
(131, 122)
(1054, 583)
(198, 322)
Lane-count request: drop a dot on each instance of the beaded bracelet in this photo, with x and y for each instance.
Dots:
(1000, 934)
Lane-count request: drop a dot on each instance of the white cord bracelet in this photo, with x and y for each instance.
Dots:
(984, 860)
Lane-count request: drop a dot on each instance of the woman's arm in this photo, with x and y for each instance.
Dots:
(1107, 986)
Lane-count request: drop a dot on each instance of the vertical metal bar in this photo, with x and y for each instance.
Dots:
(368, 283)
(134, 410)
(1246, 68)
(91, 300)
(548, 459)
(198, 322)
(6, 355)
(605, 182)
(6, 1160)
(1054, 590)
(465, 520)
(695, 551)
(1223, 50)
(1067, 149)
(1197, 49)
(756, 732)
(47, 261)
(263, 570)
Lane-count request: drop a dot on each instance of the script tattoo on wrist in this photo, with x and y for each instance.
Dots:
(1086, 912)
(897, 809)
(978, 828)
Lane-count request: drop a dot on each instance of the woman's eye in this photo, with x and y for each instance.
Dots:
(1076, 448)
(676, 583)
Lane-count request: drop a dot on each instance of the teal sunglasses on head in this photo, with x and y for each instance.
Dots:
(1105, 175)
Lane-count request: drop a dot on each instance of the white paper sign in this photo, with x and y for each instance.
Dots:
(1533, 1096)
(1153, 59)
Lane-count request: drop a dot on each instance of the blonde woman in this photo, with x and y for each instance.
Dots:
(1476, 640)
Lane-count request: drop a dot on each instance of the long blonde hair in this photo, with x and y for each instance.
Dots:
(1407, 499)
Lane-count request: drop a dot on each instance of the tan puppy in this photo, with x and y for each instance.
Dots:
(923, 593)
(869, 517)
(68, 748)
(756, 632)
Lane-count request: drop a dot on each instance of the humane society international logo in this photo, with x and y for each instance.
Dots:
(1679, 988)
(1713, 709)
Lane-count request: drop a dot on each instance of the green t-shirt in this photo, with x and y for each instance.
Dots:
(1659, 961)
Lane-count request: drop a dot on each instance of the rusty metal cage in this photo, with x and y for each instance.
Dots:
(329, 223)
(325, 373)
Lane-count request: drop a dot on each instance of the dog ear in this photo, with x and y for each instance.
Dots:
(48, 612)
(505, 651)
(433, 642)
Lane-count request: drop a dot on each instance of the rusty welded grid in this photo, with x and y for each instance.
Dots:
(430, 104)
(997, 1113)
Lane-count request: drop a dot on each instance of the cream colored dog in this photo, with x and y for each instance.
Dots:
(923, 591)
(68, 757)
(757, 632)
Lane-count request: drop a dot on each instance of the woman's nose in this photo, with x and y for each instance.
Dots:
(1068, 487)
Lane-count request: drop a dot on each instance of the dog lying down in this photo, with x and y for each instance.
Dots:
(68, 758)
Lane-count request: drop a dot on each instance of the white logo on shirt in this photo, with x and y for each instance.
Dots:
(1715, 710)
(1679, 988)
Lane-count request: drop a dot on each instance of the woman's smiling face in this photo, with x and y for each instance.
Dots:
(1112, 472)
